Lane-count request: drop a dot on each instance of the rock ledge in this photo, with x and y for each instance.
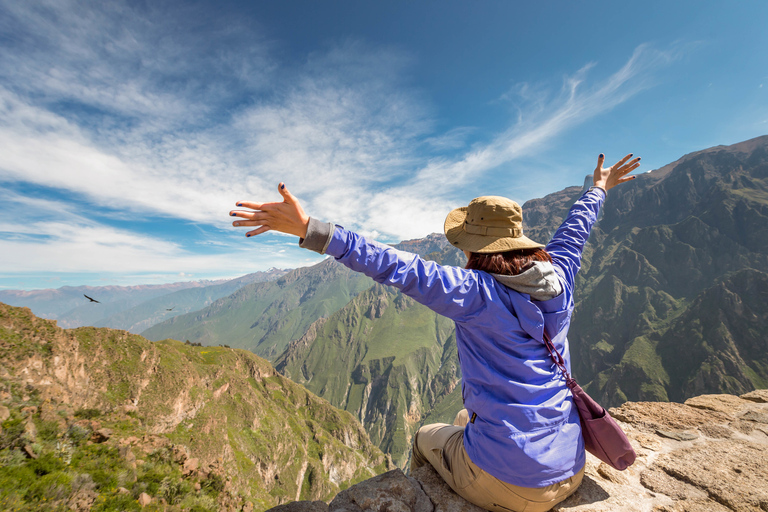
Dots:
(706, 454)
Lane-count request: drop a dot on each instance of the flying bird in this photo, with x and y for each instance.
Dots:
(170, 309)
(91, 299)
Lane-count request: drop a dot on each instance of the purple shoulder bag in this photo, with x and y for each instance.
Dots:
(603, 437)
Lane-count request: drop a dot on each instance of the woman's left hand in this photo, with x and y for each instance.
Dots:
(286, 217)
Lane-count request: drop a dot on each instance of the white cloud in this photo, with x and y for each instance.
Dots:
(146, 118)
(55, 237)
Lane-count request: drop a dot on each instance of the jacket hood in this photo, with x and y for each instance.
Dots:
(540, 281)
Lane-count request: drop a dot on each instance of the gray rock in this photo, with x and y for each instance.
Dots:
(716, 431)
(591, 492)
(757, 417)
(30, 431)
(678, 436)
(759, 395)
(732, 473)
(658, 481)
(727, 404)
(29, 451)
(301, 506)
(388, 492)
(4, 413)
(442, 496)
(101, 435)
(190, 466)
(82, 500)
(652, 416)
(144, 499)
(612, 475)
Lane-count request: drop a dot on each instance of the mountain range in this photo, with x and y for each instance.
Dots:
(133, 308)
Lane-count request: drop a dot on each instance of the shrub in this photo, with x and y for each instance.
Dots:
(13, 430)
(214, 483)
(202, 503)
(77, 434)
(173, 491)
(53, 486)
(162, 455)
(87, 414)
(102, 462)
(46, 463)
(14, 480)
(12, 458)
(153, 474)
(117, 502)
(48, 431)
(83, 481)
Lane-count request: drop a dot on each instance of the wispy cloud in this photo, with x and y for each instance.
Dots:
(539, 120)
(146, 118)
(55, 237)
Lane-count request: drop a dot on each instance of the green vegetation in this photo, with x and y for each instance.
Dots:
(265, 317)
(67, 469)
(128, 414)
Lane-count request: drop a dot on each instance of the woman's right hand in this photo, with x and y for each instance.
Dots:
(607, 178)
(286, 217)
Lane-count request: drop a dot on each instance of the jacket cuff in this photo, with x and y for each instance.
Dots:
(598, 187)
(319, 235)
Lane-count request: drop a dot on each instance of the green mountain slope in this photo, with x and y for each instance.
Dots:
(265, 317)
(205, 427)
(665, 244)
(386, 359)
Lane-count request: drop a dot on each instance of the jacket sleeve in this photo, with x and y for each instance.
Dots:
(567, 244)
(449, 291)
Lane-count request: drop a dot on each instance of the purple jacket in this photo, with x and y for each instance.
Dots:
(526, 431)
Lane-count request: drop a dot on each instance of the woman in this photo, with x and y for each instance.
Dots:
(517, 445)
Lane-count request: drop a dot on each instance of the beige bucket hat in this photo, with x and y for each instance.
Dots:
(489, 224)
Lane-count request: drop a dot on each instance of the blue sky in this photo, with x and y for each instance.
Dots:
(129, 130)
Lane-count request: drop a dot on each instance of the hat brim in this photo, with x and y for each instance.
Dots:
(482, 244)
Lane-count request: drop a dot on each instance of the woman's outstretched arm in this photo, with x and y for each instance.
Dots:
(568, 242)
(449, 291)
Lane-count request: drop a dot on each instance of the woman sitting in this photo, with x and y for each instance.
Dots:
(518, 444)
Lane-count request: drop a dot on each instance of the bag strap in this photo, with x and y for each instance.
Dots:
(558, 360)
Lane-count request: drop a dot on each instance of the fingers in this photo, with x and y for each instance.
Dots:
(629, 167)
(257, 215)
(600, 160)
(622, 161)
(258, 231)
(287, 196)
(256, 206)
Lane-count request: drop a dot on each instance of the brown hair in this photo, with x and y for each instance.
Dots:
(508, 263)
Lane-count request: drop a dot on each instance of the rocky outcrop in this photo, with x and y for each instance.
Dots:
(707, 454)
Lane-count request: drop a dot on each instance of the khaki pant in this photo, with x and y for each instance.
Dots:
(442, 446)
